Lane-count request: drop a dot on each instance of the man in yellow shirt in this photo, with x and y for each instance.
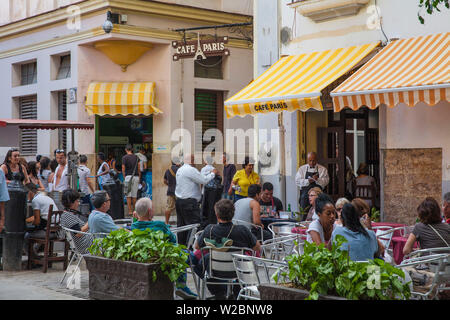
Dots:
(243, 179)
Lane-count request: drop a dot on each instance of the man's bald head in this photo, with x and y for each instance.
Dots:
(189, 158)
(312, 159)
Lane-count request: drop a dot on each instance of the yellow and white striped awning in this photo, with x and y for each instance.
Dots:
(121, 98)
(405, 71)
(294, 82)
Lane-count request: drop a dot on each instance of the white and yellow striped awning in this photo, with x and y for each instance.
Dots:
(405, 71)
(121, 98)
(294, 82)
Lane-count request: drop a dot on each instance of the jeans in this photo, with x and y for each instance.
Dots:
(238, 197)
(225, 195)
(87, 199)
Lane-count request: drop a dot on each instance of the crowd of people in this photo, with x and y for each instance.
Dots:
(216, 202)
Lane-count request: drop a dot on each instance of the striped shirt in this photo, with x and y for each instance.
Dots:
(71, 221)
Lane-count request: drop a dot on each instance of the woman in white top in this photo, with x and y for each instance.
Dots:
(103, 171)
(45, 172)
(320, 230)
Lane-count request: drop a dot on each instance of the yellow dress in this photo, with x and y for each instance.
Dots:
(244, 181)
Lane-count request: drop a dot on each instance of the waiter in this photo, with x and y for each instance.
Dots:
(309, 176)
(189, 194)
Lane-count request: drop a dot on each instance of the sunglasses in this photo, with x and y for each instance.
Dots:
(14, 150)
(59, 151)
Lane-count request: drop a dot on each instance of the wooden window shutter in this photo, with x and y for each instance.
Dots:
(62, 115)
(28, 137)
(208, 110)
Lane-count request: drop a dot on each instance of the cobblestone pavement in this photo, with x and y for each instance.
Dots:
(36, 285)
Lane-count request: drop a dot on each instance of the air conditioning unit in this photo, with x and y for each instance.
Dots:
(113, 140)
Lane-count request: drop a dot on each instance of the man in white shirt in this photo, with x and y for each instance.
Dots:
(188, 194)
(60, 181)
(309, 176)
(142, 159)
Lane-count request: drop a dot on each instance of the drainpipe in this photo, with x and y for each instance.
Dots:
(255, 75)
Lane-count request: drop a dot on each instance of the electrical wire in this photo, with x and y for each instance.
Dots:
(381, 21)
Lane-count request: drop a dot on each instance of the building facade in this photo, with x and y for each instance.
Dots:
(406, 148)
(53, 51)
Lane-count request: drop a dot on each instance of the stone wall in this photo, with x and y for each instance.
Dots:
(410, 175)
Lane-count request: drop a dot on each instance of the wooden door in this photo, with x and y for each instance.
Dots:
(331, 155)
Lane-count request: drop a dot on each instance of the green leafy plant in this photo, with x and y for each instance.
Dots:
(430, 6)
(331, 272)
(375, 215)
(144, 246)
(300, 214)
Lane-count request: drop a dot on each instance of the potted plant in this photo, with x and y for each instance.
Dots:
(139, 265)
(320, 273)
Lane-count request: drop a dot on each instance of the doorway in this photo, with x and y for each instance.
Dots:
(349, 139)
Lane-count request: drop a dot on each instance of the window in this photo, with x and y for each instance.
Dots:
(28, 137)
(62, 115)
(28, 73)
(64, 67)
(208, 110)
(210, 68)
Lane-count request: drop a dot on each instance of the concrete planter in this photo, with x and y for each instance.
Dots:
(277, 292)
(114, 279)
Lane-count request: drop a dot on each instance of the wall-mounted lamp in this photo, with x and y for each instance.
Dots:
(108, 25)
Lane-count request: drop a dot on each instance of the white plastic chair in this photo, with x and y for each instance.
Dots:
(437, 264)
(248, 271)
(192, 228)
(221, 267)
(280, 247)
(249, 226)
(283, 228)
(76, 253)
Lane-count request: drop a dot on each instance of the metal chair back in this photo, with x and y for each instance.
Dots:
(192, 228)
(283, 228)
(249, 226)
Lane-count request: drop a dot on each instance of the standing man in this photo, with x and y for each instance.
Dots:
(60, 181)
(189, 194)
(132, 176)
(143, 168)
(86, 186)
(309, 176)
(229, 170)
(170, 181)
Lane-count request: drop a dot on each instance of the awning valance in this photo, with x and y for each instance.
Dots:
(121, 98)
(405, 71)
(45, 124)
(294, 82)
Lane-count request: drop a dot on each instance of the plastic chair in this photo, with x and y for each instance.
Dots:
(280, 247)
(52, 235)
(249, 226)
(247, 270)
(192, 228)
(436, 264)
(283, 228)
(221, 267)
(76, 252)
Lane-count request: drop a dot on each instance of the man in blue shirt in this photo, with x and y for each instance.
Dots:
(144, 214)
(4, 196)
(99, 221)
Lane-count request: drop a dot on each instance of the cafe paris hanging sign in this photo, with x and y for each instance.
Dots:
(200, 49)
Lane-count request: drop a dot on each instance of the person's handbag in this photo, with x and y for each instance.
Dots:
(219, 244)
(129, 179)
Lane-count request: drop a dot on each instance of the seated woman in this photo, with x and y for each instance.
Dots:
(71, 219)
(362, 244)
(364, 210)
(430, 231)
(313, 193)
(249, 210)
(225, 228)
(319, 231)
(339, 205)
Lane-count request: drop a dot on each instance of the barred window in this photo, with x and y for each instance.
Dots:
(208, 110)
